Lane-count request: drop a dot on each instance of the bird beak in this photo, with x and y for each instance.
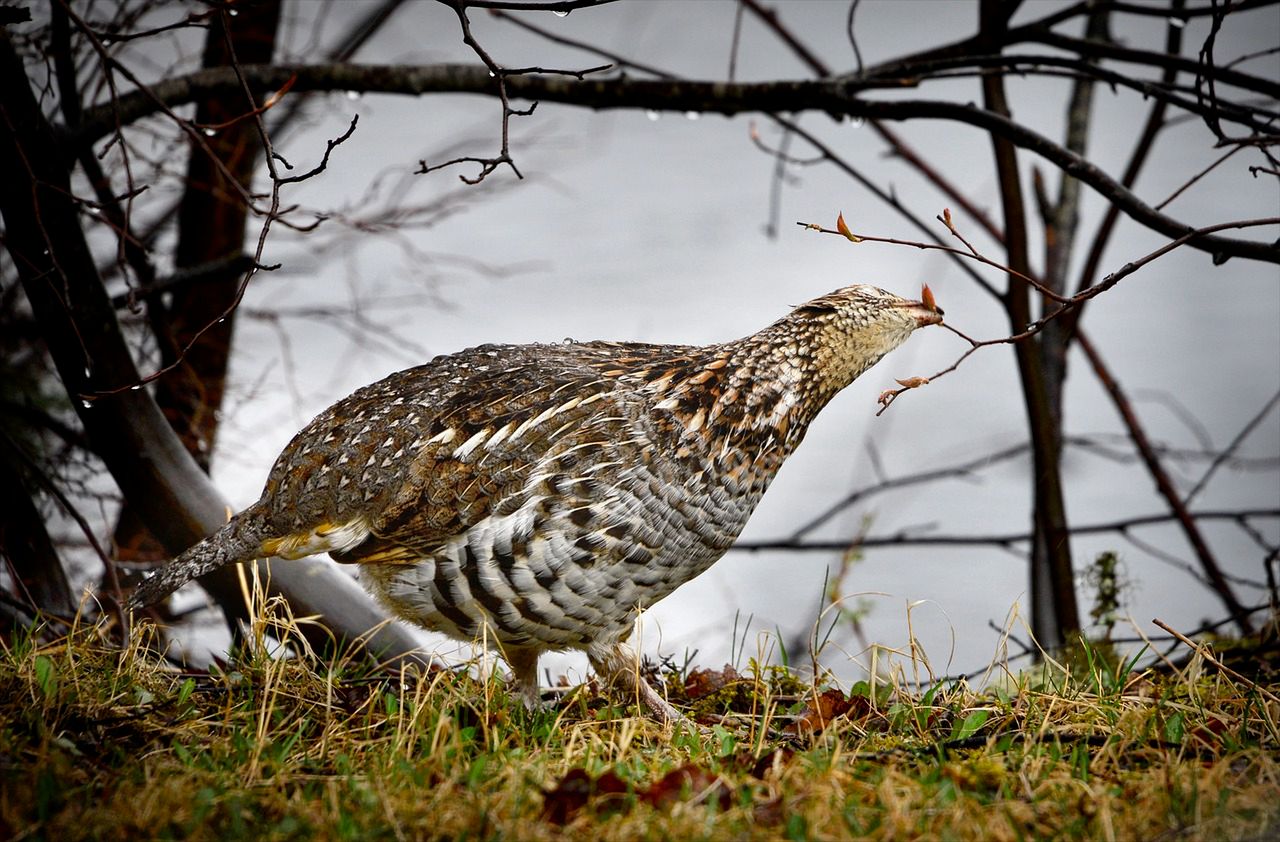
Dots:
(926, 311)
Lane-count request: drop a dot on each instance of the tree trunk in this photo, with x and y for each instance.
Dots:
(154, 472)
(24, 543)
(1054, 614)
(211, 228)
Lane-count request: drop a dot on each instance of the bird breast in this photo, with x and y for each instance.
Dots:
(563, 570)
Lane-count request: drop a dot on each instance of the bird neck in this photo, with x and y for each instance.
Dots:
(762, 391)
(785, 375)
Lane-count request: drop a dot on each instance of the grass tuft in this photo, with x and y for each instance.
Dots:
(100, 742)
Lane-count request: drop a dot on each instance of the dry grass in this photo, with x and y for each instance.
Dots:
(96, 742)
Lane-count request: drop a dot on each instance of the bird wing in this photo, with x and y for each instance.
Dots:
(405, 464)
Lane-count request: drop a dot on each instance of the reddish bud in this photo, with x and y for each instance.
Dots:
(844, 229)
(926, 298)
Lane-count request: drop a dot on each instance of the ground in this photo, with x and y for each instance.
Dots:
(103, 741)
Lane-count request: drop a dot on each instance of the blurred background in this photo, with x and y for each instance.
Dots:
(665, 227)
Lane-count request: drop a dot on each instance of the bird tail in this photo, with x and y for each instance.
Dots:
(240, 539)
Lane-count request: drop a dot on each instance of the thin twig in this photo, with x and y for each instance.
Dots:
(908, 538)
(69, 508)
(886, 398)
(1204, 652)
(500, 74)
(853, 39)
(960, 471)
(900, 148)
(969, 252)
(1230, 449)
(1164, 485)
(735, 42)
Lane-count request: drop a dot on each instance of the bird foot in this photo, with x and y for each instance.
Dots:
(658, 707)
(619, 668)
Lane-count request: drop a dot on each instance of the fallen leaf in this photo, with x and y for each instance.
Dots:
(771, 812)
(688, 783)
(766, 763)
(704, 682)
(820, 711)
(1209, 733)
(572, 792)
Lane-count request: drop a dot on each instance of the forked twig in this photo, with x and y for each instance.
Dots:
(1067, 303)
(500, 75)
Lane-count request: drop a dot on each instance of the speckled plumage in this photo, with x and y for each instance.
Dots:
(539, 495)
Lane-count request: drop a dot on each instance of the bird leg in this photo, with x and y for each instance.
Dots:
(619, 667)
(524, 671)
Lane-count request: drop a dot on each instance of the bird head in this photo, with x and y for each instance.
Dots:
(853, 327)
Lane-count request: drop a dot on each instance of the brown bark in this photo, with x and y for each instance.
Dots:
(199, 321)
(211, 227)
(25, 545)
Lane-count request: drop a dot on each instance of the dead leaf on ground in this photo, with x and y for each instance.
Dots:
(572, 792)
(688, 783)
(764, 764)
(820, 711)
(577, 789)
(704, 682)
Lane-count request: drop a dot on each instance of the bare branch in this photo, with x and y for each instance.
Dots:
(329, 146)
(899, 146)
(1231, 448)
(500, 75)
(905, 538)
(833, 96)
(1164, 485)
(558, 6)
(963, 470)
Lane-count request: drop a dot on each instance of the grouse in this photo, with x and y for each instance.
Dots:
(541, 495)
